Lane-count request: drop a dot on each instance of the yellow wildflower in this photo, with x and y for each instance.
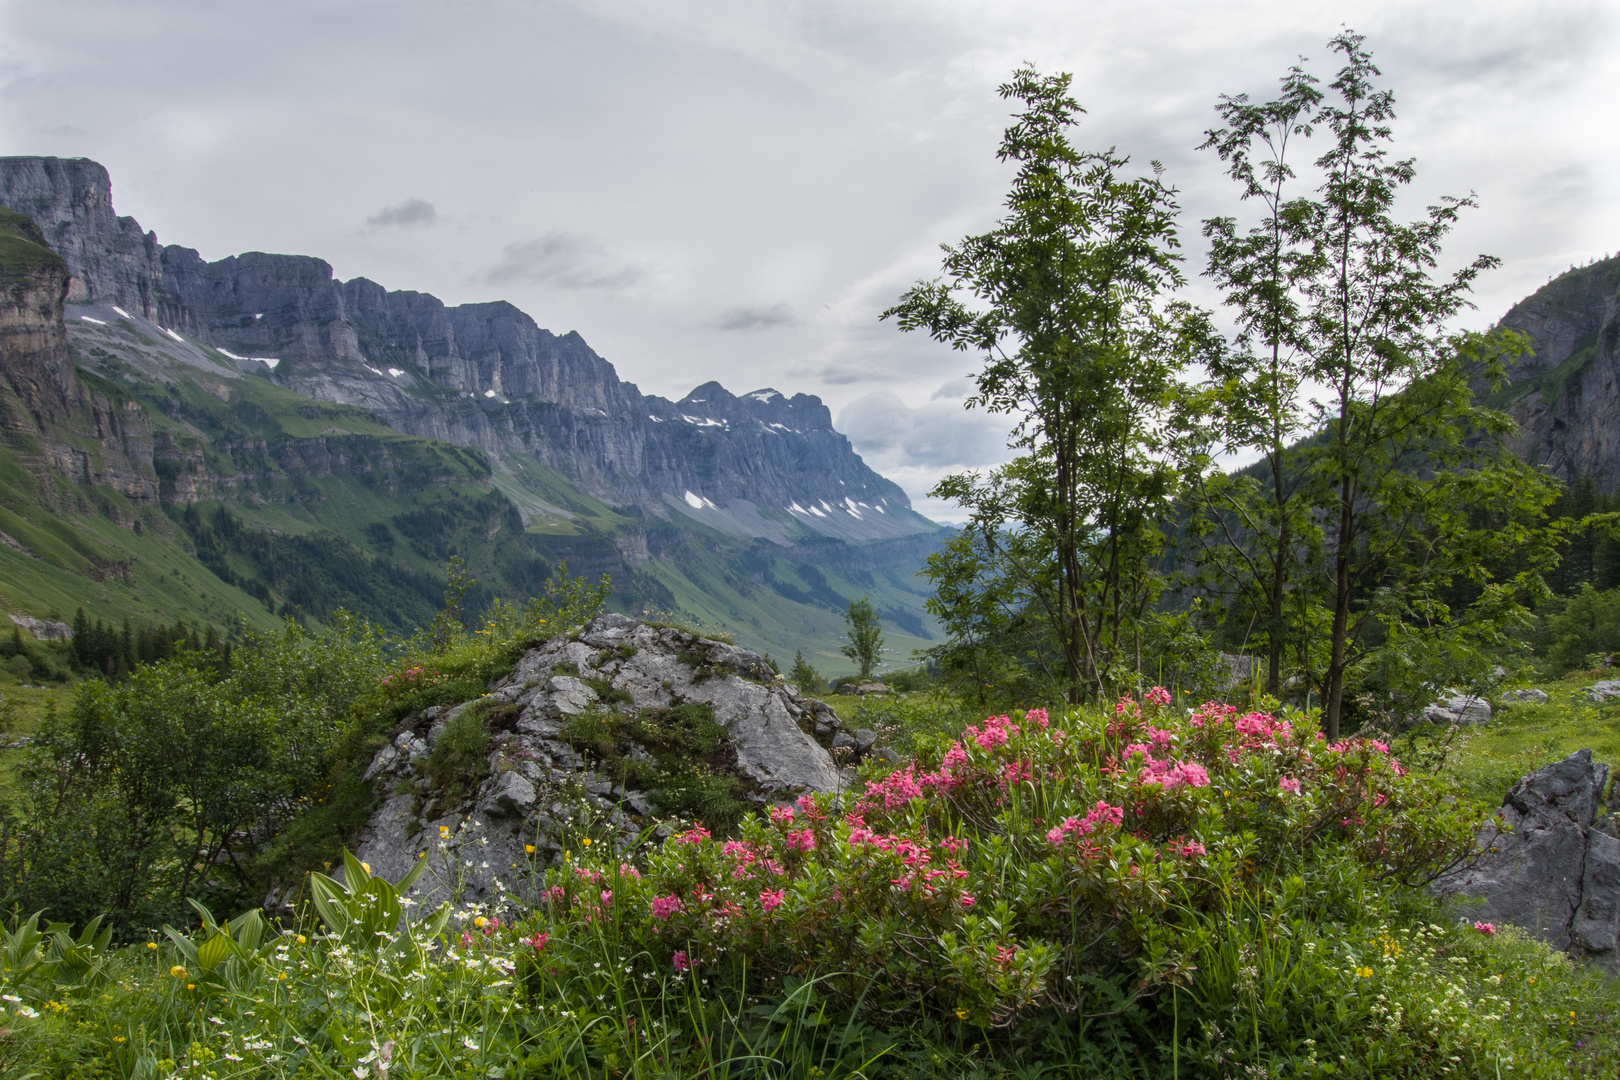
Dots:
(177, 971)
(302, 940)
(587, 841)
(961, 1014)
(151, 944)
(529, 848)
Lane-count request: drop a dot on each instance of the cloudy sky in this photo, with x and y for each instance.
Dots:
(734, 189)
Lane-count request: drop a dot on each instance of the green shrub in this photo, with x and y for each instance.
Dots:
(1572, 630)
(459, 760)
(689, 765)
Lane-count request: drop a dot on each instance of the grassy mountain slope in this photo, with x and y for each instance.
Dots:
(272, 504)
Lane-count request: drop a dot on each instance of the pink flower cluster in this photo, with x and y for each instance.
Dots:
(1100, 815)
(905, 785)
(664, 907)
(1190, 849)
(801, 841)
(1173, 774)
(409, 675)
(914, 856)
(697, 834)
(997, 730)
(749, 860)
(1289, 784)
(1488, 929)
(770, 901)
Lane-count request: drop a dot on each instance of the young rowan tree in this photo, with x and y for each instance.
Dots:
(1408, 476)
(1065, 301)
(865, 635)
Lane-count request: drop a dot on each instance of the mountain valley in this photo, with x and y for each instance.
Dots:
(199, 440)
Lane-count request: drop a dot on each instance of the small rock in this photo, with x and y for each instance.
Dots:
(570, 696)
(383, 762)
(512, 794)
(865, 739)
(1524, 697)
(843, 741)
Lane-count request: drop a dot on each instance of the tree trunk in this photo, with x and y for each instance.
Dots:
(1341, 616)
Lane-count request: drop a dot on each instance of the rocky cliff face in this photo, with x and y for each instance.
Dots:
(1566, 395)
(70, 199)
(479, 375)
(47, 415)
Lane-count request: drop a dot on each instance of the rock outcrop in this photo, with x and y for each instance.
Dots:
(44, 629)
(1532, 696)
(1549, 862)
(548, 788)
(70, 200)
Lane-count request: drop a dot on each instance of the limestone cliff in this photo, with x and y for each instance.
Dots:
(479, 375)
(1566, 394)
(48, 417)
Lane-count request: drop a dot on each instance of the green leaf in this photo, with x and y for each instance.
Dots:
(214, 951)
(329, 897)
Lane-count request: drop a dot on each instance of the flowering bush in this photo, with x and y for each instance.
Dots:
(1065, 861)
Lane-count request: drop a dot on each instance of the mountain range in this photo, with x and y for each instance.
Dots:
(198, 440)
(317, 443)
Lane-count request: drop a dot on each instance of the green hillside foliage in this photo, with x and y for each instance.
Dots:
(1241, 900)
(214, 775)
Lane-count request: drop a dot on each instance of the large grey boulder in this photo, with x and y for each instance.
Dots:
(1543, 866)
(1531, 696)
(1457, 707)
(541, 790)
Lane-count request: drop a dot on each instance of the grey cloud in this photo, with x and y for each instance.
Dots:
(756, 318)
(935, 435)
(410, 214)
(843, 374)
(561, 260)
